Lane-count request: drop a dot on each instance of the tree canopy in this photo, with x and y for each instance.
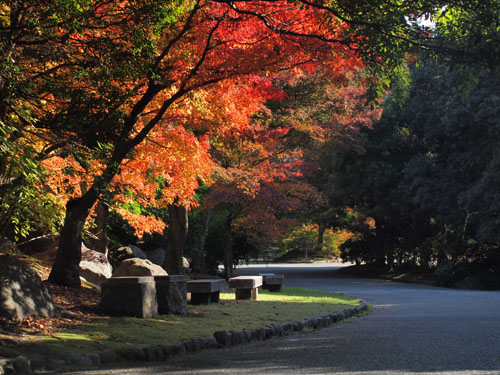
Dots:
(139, 100)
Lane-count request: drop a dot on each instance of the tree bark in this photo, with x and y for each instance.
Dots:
(176, 239)
(198, 263)
(380, 233)
(321, 236)
(228, 247)
(100, 242)
(66, 268)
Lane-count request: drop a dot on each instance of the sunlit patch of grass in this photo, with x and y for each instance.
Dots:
(203, 320)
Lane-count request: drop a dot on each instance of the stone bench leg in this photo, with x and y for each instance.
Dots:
(273, 288)
(202, 298)
(130, 296)
(171, 294)
(243, 293)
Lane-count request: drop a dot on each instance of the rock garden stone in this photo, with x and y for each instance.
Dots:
(249, 333)
(133, 354)
(192, 345)
(6, 367)
(168, 350)
(107, 356)
(223, 339)
(237, 337)
(94, 266)
(21, 365)
(116, 256)
(55, 364)
(210, 342)
(38, 365)
(75, 358)
(157, 256)
(138, 267)
(340, 316)
(179, 349)
(22, 292)
(154, 354)
(94, 358)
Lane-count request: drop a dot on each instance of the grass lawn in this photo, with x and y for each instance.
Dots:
(98, 332)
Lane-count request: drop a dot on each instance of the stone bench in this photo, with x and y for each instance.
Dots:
(130, 296)
(205, 290)
(246, 286)
(272, 282)
(144, 296)
(171, 294)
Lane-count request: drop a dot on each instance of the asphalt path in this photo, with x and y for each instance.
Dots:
(415, 329)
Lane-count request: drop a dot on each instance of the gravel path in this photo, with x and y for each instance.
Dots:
(415, 329)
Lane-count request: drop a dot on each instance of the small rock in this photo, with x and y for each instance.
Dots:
(179, 349)
(6, 367)
(223, 339)
(76, 358)
(210, 342)
(249, 334)
(133, 354)
(38, 365)
(21, 365)
(107, 356)
(168, 350)
(260, 334)
(188, 345)
(300, 325)
(94, 359)
(237, 337)
(268, 332)
(56, 364)
(154, 353)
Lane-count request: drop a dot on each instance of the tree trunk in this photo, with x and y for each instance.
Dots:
(176, 239)
(228, 248)
(380, 243)
(321, 237)
(66, 268)
(198, 252)
(100, 242)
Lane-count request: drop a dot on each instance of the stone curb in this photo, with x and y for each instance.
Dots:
(221, 339)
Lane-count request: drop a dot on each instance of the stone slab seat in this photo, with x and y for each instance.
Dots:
(130, 296)
(272, 282)
(171, 294)
(246, 286)
(205, 290)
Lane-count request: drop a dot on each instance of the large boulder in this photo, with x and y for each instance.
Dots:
(94, 266)
(157, 256)
(116, 256)
(138, 267)
(22, 292)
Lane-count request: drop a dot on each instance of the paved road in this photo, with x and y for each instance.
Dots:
(415, 329)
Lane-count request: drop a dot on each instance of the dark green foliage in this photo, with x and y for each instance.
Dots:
(429, 177)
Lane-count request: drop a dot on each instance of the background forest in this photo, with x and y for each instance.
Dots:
(219, 131)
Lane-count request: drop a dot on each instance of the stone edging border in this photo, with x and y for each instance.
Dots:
(220, 339)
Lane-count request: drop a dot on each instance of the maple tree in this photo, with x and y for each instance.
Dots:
(100, 76)
(262, 179)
